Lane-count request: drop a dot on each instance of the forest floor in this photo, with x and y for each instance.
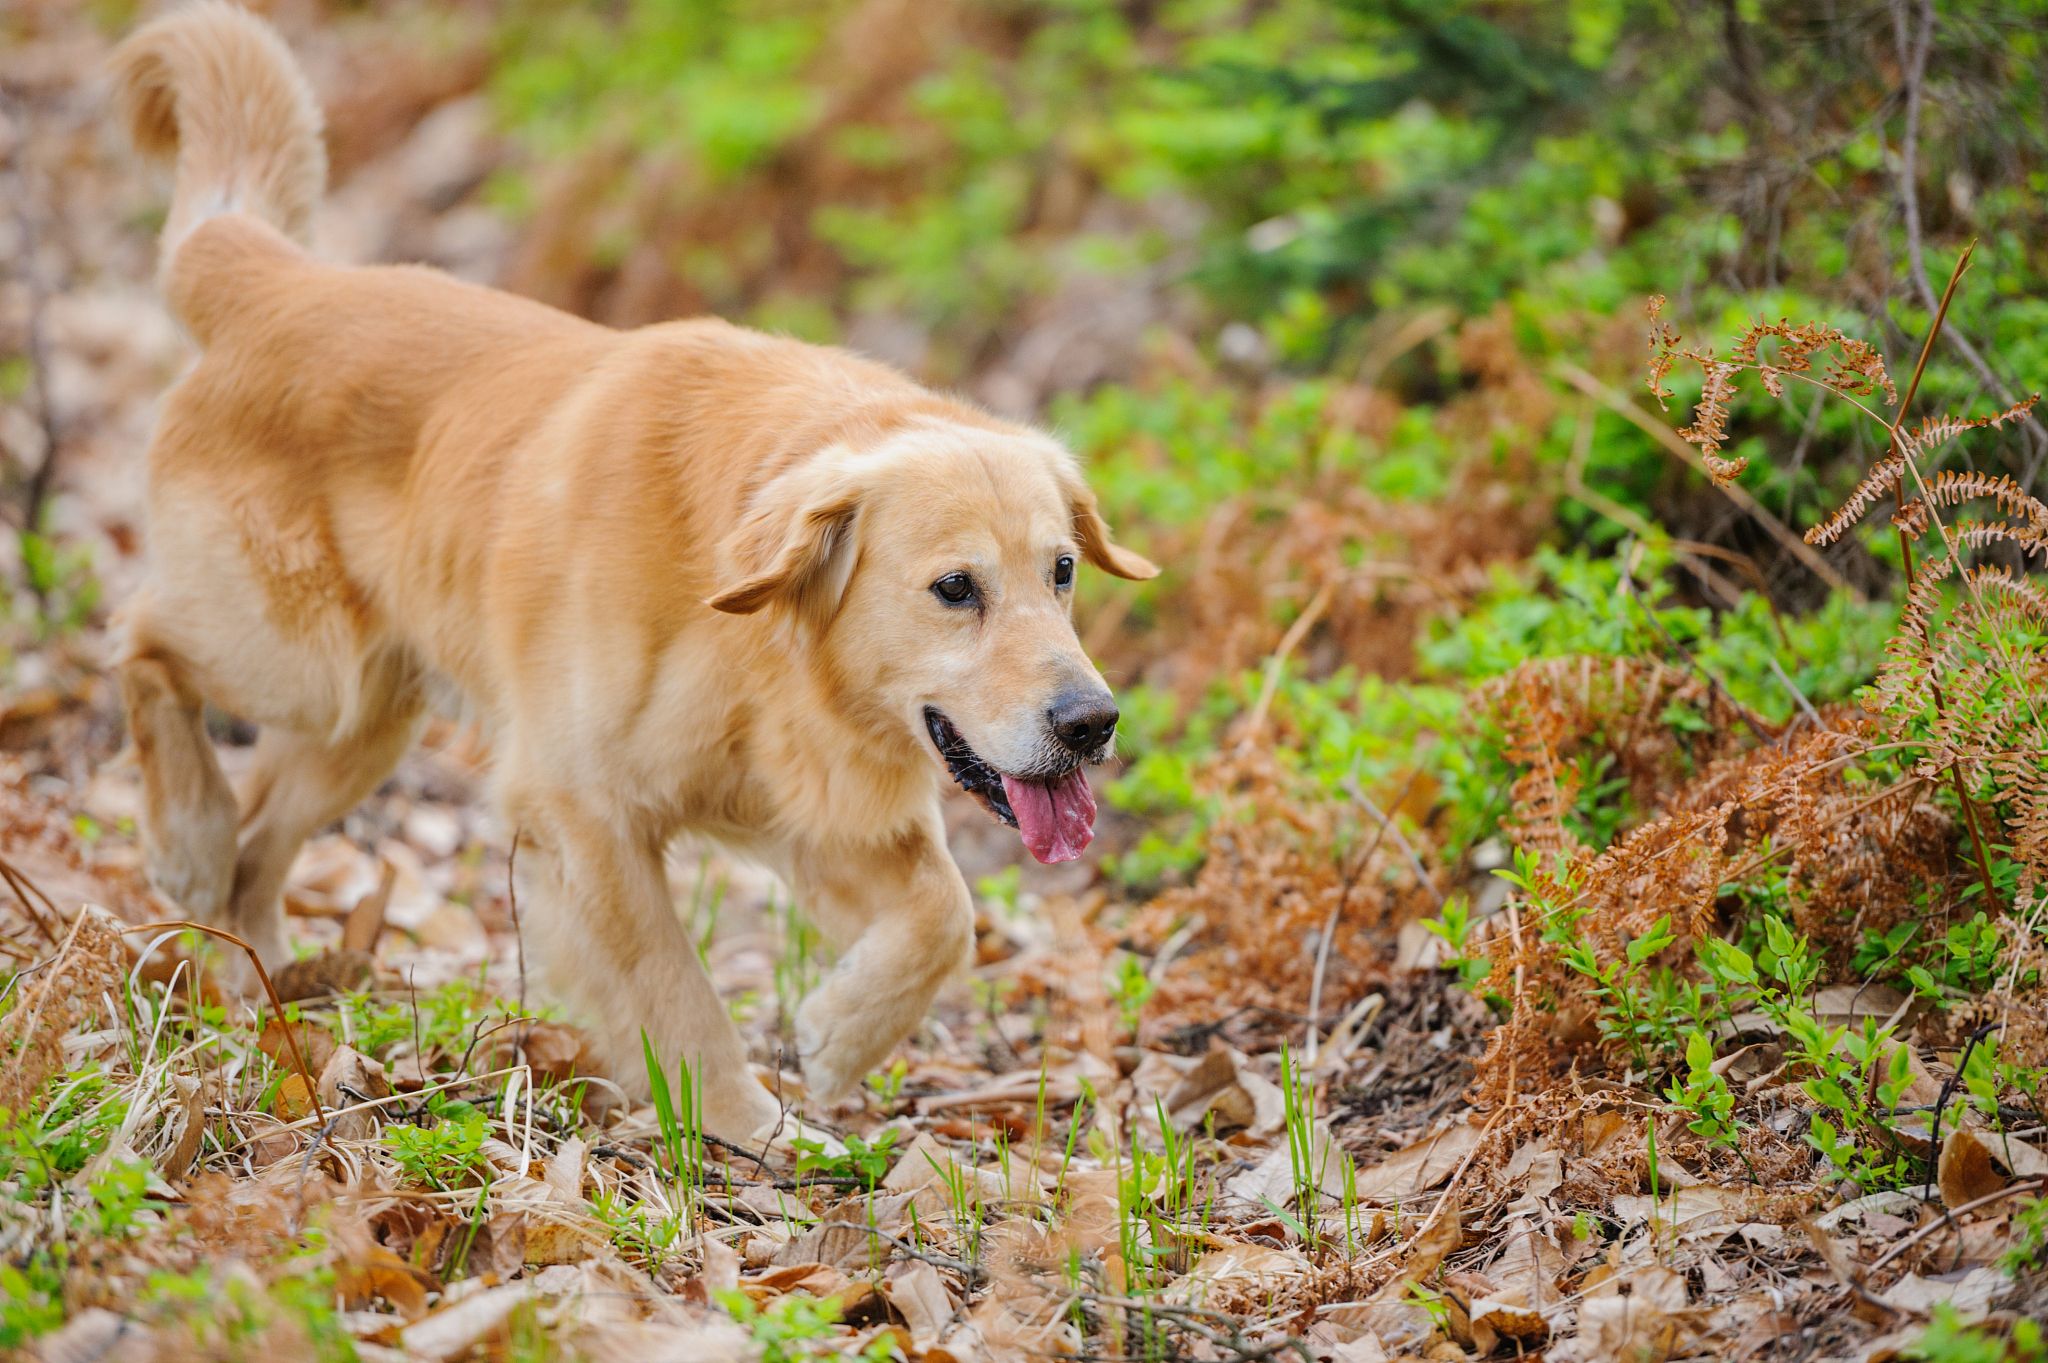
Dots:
(1251, 1116)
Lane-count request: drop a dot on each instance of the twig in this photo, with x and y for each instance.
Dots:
(1274, 665)
(291, 1039)
(518, 937)
(1447, 1198)
(22, 887)
(1357, 792)
(973, 1273)
(1948, 1088)
(1798, 695)
(476, 1038)
(1628, 587)
(1230, 1336)
(1735, 492)
(369, 1103)
(1900, 449)
(1315, 992)
(1913, 68)
(2037, 1183)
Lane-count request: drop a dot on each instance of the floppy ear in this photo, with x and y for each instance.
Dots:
(795, 546)
(1096, 546)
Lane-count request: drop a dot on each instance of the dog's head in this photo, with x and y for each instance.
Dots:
(934, 574)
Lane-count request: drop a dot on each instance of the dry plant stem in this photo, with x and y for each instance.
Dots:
(1315, 991)
(518, 937)
(1913, 66)
(1669, 439)
(290, 1039)
(1515, 932)
(23, 887)
(1575, 483)
(1899, 448)
(1969, 582)
(1278, 662)
(1628, 586)
(2038, 1183)
(1451, 1188)
(367, 1104)
(1357, 792)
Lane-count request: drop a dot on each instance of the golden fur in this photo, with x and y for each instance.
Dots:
(682, 575)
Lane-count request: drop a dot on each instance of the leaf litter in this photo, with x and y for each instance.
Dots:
(1315, 1143)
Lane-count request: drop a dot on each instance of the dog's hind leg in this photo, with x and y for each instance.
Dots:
(188, 810)
(599, 918)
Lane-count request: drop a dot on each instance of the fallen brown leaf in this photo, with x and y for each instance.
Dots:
(1965, 1170)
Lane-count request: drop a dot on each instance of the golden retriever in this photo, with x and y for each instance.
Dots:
(689, 577)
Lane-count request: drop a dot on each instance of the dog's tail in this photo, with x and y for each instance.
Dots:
(214, 86)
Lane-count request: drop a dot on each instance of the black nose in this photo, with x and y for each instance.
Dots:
(1083, 722)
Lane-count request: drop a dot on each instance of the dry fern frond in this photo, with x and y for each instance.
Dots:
(2020, 592)
(92, 961)
(1857, 367)
(1663, 351)
(1709, 428)
(1856, 370)
(1939, 430)
(1978, 534)
(1875, 484)
(1951, 488)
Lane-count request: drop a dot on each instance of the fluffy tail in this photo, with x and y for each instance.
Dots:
(214, 86)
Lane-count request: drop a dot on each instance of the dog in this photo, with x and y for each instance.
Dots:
(688, 578)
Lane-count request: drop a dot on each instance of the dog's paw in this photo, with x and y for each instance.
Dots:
(195, 869)
(831, 1066)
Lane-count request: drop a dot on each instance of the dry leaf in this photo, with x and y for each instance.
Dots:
(1971, 1296)
(347, 1078)
(721, 1272)
(930, 1163)
(1272, 1179)
(916, 1290)
(365, 922)
(564, 1172)
(2022, 1159)
(179, 1161)
(1398, 1322)
(847, 1237)
(1365, 1349)
(550, 1242)
(1891, 1203)
(1237, 1265)
(1418, 1168)
(294, 1098)
(1966, 1173)
(1688, 1209)
(1642, 1325)
(638, 1341)
(456, 1329)
(316, 1044)
(370, 1270)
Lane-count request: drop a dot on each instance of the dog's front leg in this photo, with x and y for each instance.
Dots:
(903, 922)
(595, 908)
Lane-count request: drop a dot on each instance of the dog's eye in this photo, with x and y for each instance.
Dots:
(954, 588)
(1063, 572)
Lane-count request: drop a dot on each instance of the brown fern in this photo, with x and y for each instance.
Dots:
(1875, 484)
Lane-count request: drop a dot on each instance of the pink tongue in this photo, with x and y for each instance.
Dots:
(1056, 818)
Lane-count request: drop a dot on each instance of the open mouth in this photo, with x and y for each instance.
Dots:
(1055, 815)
